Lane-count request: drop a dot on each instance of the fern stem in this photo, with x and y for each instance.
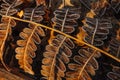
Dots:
(63, 23)
(93, 36)
(107, 54)
(32, 13)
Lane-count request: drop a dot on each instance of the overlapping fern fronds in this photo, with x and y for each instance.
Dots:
(63, 57)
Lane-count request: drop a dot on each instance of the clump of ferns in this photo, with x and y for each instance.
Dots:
(59, 61)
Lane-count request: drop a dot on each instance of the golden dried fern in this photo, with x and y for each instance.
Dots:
(30, 37)
(58, 52)
(5, 31)
(6, 23)
(55, 49)
(55, 58)
(26, 51)
(85, 64)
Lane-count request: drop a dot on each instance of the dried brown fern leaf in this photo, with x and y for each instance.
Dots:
(8, 9)
(114, 46)
(65, 19)
(34, 14)
(97, 30)
(59, 49)
(85, 64)
(27, 46)
(55, 58)
(115, 75)
(30, 37)
(5, 31)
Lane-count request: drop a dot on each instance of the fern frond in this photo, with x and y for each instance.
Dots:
(5, 31)
(27, 46)
(85, 64)
(59, 49)
(115, 75)
(97, 30)
(55, 58)
(30, 37)
(9, 8)
(65, 19)
(34, 14)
